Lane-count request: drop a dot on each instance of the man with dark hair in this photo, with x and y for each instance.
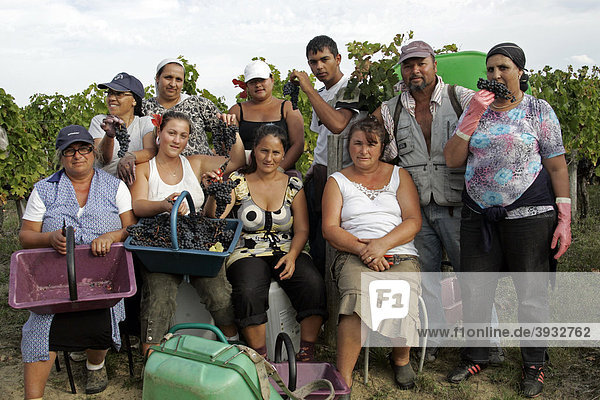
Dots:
(420, 120)
(332, 114)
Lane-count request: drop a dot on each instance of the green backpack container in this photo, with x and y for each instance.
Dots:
(192, 367)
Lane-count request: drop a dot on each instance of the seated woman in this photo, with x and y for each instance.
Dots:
(98, 206)
(158, 184)
(371, 215)
(272, 207)
(124, 101)
(262, 108)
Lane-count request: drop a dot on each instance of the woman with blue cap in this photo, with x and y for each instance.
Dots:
(98, 206)
(124, 96)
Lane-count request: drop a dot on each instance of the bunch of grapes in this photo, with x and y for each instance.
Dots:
(194, 232)
(223, 138)
(123, 139)
(498, 88)
(293, 90)
(222, 194)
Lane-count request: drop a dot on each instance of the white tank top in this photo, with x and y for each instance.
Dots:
(158, 190)
(371, 214)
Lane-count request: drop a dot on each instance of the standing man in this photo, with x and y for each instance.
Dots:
(332, 114)
(422, 118)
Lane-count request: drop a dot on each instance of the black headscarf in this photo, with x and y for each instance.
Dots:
(516, 54)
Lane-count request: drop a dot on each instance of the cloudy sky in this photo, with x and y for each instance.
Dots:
(64, 45)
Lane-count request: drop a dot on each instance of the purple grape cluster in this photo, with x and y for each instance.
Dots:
(123, 138)
(293, 91)
(223, 138)
(194, 232)
(498, 88)
(222, 194)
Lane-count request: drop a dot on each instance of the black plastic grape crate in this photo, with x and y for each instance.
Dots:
(186, 261)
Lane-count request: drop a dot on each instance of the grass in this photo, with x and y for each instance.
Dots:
(570, 374)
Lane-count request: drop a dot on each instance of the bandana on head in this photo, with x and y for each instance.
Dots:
(516, 54)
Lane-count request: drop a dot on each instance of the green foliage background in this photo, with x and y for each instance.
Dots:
(574, 96)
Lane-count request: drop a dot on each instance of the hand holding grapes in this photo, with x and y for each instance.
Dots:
(109, 125)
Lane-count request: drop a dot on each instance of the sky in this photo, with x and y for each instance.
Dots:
(65, 45)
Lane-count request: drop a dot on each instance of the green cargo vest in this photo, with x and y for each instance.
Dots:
(434, 180)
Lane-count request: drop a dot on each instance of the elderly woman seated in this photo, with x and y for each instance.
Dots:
(98, 206)
(371, 215)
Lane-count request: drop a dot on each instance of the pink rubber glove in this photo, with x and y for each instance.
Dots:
(562, 233)
(479, 103)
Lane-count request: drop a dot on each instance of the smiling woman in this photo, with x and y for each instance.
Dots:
(124, 101)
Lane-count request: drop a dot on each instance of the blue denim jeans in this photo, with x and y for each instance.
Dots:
(440, 230)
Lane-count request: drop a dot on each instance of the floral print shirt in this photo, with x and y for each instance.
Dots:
(202, 113)
(506, 153)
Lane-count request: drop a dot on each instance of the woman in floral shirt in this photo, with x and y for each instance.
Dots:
(516, 183)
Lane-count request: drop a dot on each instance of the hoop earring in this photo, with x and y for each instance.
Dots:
(157, 141)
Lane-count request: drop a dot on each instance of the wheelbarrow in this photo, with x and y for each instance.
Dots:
(176, 260)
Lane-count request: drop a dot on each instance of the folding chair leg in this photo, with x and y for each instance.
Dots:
(127, 343)
(57, 364)
(69, 372)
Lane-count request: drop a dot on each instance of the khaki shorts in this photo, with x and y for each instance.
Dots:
(346, 271)
(158, 304)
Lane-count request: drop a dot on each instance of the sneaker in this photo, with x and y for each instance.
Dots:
(464, 371)
(496, 356)
(97, 380)
(532, 381)
(404, 375)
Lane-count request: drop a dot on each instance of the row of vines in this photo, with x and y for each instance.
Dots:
(574, 95)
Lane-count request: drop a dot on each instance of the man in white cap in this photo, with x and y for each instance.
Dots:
(420, 120)
(204, 115)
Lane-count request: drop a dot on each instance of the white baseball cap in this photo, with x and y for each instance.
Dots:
(168, 61)
(257, 69)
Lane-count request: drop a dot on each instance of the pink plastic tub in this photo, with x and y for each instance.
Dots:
(308, 372)
(38, 280)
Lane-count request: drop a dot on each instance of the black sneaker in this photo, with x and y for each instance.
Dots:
(464, 371)
(532, 381)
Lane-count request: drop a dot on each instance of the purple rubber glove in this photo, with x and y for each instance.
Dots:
(126, 168)
(109, 125)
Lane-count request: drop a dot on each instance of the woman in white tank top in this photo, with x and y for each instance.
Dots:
(371, 215)
(157, 185)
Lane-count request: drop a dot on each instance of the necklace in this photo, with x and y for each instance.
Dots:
(171, 172)
(509, 104)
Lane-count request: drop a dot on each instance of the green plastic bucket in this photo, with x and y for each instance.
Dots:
(190, 367)
(463, 68)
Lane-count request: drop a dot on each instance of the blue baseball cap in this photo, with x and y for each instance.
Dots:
(123, 82)
(71, 134)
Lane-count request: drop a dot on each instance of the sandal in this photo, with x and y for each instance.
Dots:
(306, 353)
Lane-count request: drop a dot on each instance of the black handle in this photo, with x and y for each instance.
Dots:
(293, 374)
(70, 234)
